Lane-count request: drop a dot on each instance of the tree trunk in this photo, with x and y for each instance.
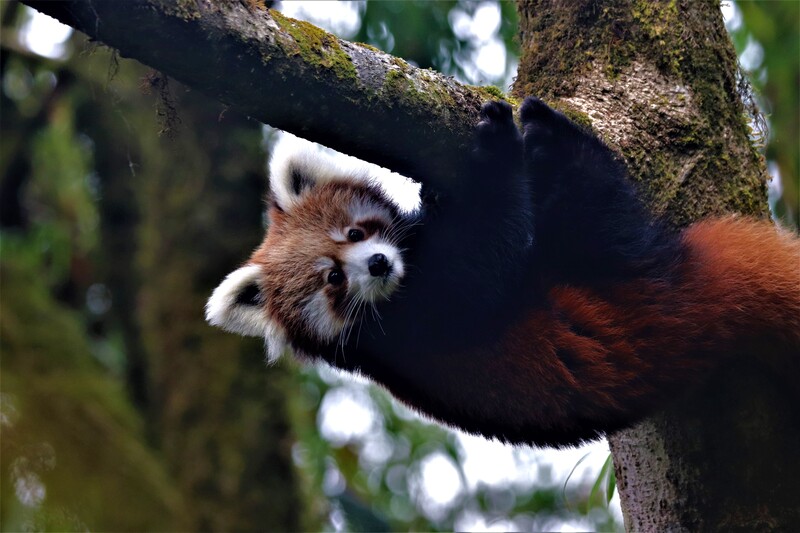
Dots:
(213, 451)
(177, 211)
(659, 81)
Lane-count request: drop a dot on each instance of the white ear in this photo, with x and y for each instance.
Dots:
(297, 165)
(237, 306)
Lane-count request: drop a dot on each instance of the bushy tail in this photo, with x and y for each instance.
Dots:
(745, 279)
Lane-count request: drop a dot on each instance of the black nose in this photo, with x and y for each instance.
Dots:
(378, 265)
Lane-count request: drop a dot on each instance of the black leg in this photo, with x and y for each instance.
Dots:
(590, 223)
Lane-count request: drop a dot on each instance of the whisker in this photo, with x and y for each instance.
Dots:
(357, 302)
(344, 335)
(360, 323)
(379, 318)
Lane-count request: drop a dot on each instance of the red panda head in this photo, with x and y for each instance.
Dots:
(331, 251)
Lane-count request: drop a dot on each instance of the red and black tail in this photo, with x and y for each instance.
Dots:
(745, 276)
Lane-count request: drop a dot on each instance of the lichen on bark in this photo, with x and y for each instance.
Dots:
(658, 81)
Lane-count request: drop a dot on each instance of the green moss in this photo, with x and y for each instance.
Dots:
(369, 47)
(183, 9)
(691, 161)
(63, 398)
(31, 327)
(395, 75)
(401, 64)
(317, 47)
(578, 117)
(494, 91)
(655, 173)
(490, 92)
(417, 90)
(565, 43)
(513, 100)
(660, 26)
(397, 84)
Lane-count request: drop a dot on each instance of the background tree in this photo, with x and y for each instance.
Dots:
(187, 422)
(767, 36)
(105, 271)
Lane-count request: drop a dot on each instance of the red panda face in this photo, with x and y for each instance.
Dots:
(331, 253)
(329, 256)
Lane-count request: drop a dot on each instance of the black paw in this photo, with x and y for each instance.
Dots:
(544, 128)
(497, 138)
(534, 109)
(553, 142)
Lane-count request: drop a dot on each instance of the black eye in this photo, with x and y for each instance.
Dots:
(336, 276)
(355, 235)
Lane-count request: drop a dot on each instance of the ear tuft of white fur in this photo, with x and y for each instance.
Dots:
(225, 311)
(293, 156)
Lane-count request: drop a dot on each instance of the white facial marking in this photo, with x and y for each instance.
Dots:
(356, 267)
(319, 317)
(367, 210)
(338, 235)
(224, 311)
(275, 343)
(324, 263)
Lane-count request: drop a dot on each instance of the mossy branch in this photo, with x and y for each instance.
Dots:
(294, 76)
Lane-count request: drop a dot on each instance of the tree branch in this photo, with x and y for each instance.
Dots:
(294, 76)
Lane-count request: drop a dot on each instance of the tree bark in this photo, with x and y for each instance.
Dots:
(293, 76)
(659, 81)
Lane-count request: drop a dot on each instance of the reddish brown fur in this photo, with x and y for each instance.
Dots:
(636, 314)
(748, 276)
(587, 354)
(608, 356)
(587, 360)
(296, 240)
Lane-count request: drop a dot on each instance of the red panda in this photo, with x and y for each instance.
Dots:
(537, 303)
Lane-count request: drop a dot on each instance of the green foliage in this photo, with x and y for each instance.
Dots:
(606, 480)
(120, 408)
(374, 478)
(71, 440)
(775, 27)
(421, 32)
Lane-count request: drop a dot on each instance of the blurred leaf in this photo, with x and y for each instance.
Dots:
(776, 27)
(601, 481)
(611, 481)
(569, 476)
